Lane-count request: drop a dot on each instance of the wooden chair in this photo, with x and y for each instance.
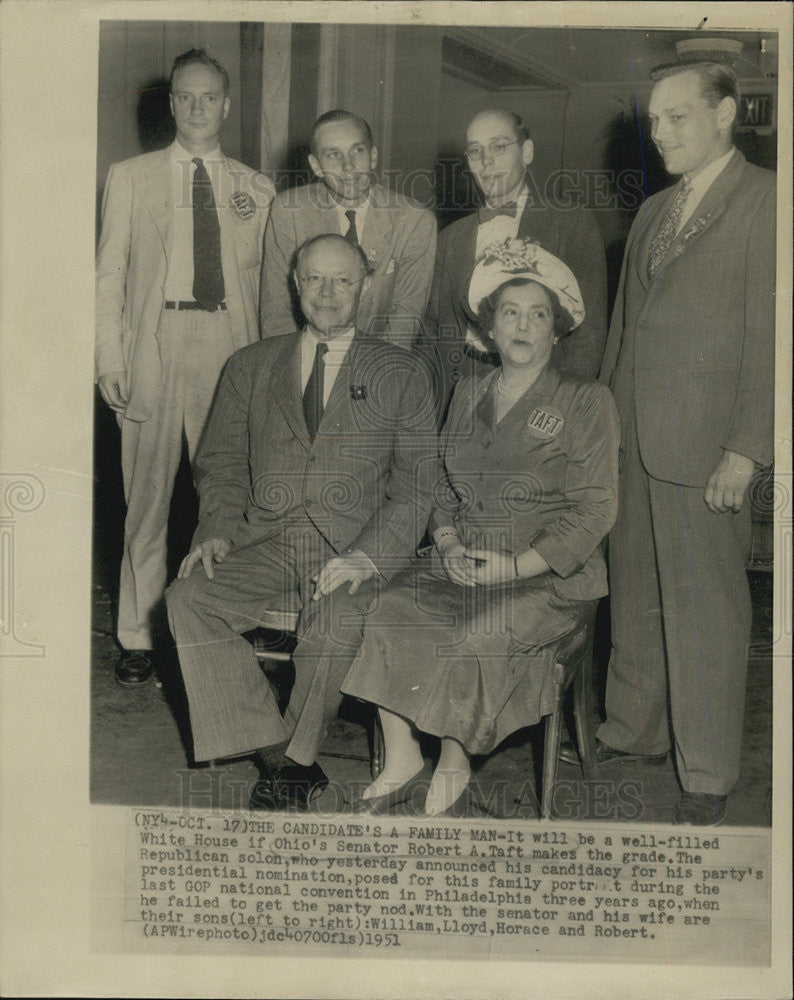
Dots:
(573, 667)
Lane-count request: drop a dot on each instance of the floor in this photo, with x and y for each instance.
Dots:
(141, 740)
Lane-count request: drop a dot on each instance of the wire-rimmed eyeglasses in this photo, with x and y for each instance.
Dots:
(497, 148)
(339, 283)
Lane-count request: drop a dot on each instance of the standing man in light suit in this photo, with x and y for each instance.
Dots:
(176, 293)
(690, 362)
(398, 237)
(499, 152)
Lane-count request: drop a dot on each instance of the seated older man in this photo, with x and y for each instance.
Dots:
(314, 473)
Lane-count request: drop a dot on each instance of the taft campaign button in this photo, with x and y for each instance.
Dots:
(243, 204)
(545, 422)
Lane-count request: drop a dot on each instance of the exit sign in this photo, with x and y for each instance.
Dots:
(757, 111)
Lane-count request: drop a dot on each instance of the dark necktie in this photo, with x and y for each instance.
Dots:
(485, 214)
(352, 233)
(208, 288)
(313, 393)
(667, 231)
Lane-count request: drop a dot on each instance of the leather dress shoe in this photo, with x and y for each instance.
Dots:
(134, 667)
(606, 755)
(410, 791)
(700, 809)
(289, 787)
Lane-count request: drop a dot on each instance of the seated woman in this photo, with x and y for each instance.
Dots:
(462, 648)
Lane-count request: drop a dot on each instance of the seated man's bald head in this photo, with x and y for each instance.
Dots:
(334, 241)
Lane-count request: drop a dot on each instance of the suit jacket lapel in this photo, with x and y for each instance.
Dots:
(708, 211)
(156, 194)
(376, 238)
(285, 384)
(460, 255)
(228, 218)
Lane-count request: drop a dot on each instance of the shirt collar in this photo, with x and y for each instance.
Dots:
(178, 152)
(338, 345)
(520, 199)
(702, 181)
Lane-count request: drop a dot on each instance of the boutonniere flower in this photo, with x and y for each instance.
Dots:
(372, 259)
(358, 392)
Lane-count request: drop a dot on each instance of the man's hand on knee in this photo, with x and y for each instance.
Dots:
(353, 567)
(210, 552)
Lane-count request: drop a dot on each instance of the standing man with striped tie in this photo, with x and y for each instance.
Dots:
(176, 294)
(397, 236)
(689, 359)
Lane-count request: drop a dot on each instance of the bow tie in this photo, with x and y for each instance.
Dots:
(485, 214)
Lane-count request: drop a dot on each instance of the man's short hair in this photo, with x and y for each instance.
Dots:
(199, 57)
(717, 80)
(333, 238)
(339, 115)
(520, 127)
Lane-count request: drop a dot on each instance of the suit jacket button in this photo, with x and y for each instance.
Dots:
(307, 503)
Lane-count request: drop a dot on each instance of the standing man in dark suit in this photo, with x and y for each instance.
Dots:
(177, 292)
(499, 152)
(398, 237)
(690, 361)
(315, 472)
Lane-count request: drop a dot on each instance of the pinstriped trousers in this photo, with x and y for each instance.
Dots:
(233, 709)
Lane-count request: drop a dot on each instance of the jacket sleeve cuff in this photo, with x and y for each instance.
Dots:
(559, 558)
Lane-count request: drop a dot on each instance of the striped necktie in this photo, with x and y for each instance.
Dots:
(667, 231)
(314, 391)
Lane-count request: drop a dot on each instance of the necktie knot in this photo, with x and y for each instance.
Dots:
(486, 213)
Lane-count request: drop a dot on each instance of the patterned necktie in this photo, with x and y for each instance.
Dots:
(667, 231)
(208, 287)
(485, 214)
(352, 233)
(313, 393)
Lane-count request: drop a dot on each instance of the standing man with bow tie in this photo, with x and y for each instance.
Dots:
(499, 151)
(690, 362)
(176, 294)
(397, 235)
(315, 477)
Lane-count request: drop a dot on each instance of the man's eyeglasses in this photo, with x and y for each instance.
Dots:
(339, 283)
(496, 148)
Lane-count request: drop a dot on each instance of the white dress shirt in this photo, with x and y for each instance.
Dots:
(503, 227)
(699, 185)
(337, 351)
(361, 212)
